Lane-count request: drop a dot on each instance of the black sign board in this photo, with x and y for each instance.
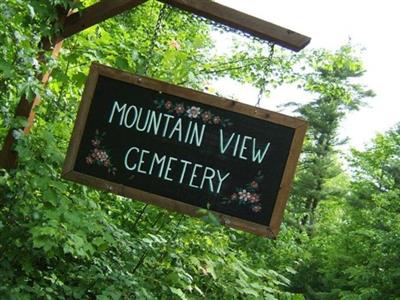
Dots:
(184, 150)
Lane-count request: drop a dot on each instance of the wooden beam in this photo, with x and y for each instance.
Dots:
(95, 14)
(246, 23)
(219, 13)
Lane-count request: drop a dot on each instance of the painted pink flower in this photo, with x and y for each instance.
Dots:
(248, 196)
(179, 109)
(244, 195)
(96, 155)
(100, 156)
(254, 184)
(168, 105)
(254, 198)
(89, 160)
(216, 120)
(95, 143)
(193, 112)
(206, 116)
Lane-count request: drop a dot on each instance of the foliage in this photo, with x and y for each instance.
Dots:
(61, 240)
(354, 252)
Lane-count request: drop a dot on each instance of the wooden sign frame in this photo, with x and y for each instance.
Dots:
(299, 126)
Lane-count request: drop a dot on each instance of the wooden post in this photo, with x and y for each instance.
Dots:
(73, 23)
(26, 107)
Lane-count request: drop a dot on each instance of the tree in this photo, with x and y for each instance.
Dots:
(354, 252)
(330, 77)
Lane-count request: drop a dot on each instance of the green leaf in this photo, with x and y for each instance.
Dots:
(6, 69)
(211, 218)
(178, 292)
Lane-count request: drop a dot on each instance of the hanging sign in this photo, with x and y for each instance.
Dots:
(184, 150)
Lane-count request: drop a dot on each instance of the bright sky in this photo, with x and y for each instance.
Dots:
(372, 24)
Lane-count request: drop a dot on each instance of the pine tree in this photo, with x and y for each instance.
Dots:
(331, 80)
